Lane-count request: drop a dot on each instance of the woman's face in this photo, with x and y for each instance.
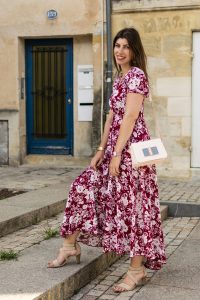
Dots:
(122, 53)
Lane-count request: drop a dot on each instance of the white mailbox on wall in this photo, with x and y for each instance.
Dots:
(85, 92)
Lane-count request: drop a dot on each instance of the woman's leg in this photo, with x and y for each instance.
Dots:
(137, 261)
(70, 248)
(135, 274)
(71, 239)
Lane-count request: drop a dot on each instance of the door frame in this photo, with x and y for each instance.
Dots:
(195, 119)
(42, 147)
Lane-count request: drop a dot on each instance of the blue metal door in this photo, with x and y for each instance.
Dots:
(49, 94)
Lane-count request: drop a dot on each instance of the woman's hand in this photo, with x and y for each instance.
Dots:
(114, 166)
(96, 160)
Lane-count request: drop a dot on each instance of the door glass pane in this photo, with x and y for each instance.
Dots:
(49, 92)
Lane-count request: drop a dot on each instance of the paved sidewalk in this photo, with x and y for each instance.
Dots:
(34, 234)
(171, 283)
(35, 252)
(179, 190)
(179, 235)
(29, 177)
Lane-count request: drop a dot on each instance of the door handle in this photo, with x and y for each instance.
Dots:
(69, 101)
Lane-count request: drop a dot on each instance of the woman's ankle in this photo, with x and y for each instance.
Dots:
(137, 262)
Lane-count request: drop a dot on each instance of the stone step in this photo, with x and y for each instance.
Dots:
(56, 160)
(32, 207)
(164, 212)
(180, 209)
(28, 278)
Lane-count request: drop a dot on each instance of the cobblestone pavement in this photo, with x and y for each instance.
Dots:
(34, 234)
(179, 191)
(175, 230)
(32, 177)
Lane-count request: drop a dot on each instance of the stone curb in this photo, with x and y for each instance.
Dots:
(35, 216)
(72, 284)
(32, 207)
(16, 278)
(75, 282)
(180, 209)
(31, 218)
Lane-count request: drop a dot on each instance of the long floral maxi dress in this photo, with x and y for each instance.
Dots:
(120, 213)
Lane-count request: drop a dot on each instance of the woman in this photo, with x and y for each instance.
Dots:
(111, 204)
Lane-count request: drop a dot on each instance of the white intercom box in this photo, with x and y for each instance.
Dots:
(85, 92)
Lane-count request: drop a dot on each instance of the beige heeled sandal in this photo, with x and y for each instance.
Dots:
(64, 253)
(136, 276)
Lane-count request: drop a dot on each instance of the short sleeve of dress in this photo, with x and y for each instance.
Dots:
(137, 82)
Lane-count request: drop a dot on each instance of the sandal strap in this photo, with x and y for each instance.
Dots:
(132, 276)
(69, 247)
(135, 271)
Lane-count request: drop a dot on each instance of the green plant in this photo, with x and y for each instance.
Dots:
(50, 232)
(8, 255)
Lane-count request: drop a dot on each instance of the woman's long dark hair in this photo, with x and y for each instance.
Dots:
(134, 41)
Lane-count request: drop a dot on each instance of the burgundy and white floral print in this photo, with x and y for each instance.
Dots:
(119, 213)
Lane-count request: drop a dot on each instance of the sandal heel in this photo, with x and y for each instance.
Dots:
(143, 281)
(78, 258)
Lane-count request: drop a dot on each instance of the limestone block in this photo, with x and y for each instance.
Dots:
(167, 126)
(3, 142)
(172, 43)
(173, 86)
(146, 4)
(177, 146)
(181, 162)
(175, 127)
(152, 45)
(158, 66)
(163, 125)
(186, 126)
(170, 172)
(179, 106)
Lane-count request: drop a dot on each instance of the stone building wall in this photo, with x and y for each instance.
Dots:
(21, 20)
(4, 142)
(166, 30)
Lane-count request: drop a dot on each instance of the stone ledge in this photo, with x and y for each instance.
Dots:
(29, 208)
(28, 278)
(129, 6)
(180, 209)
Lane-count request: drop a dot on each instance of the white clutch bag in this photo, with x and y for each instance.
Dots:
(147, 152)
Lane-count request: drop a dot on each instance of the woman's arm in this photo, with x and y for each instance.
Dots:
(97, 159)
(133, 108)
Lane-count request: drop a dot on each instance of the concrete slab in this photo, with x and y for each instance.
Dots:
(31, 207)
(35, 177)
(178, 209)
(28, 278)
(154, 292)
(182, 269)
(195, 234)
(180, 277)
(37, 198)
